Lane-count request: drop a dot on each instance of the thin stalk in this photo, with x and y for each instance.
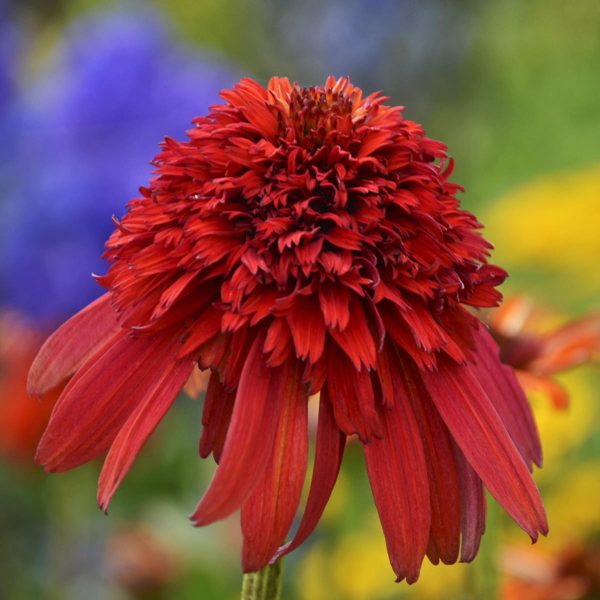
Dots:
(264, 584)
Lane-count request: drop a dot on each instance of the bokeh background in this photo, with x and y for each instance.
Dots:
(87, 91)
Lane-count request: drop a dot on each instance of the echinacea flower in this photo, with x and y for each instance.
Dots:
(303, 241)
(536, 355)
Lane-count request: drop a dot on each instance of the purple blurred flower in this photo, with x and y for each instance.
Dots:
(9, 43)
(86, 131)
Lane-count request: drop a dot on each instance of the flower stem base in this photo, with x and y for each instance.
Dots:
(264, 584)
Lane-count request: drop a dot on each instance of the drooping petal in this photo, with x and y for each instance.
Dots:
(328, 459)
(444, 485)
(151, 408)
(351, 394)
(278, 342)
(206, 327)
(480, 434)
(335, 302)
(386, 375)
(71, 345)
(308, 328)
(356, 340)
(501, 385)
(402, 336)
(218, 406)
(398, 477)
(249, 443)
(99, 399)
(269, 510)
(473, 508)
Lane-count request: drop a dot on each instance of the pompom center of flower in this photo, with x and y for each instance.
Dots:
(317, 110)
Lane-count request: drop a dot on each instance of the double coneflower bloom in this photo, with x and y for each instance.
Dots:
(303, 241)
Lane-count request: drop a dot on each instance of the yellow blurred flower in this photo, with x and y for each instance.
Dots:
(563, 431)
(549, 228)
(572, 505)
(357, 567)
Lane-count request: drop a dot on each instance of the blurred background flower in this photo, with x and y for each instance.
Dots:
(538, 352)
(22, 419)
(83, 132)
(87, 91)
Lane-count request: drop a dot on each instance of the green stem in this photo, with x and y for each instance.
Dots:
(264, 584)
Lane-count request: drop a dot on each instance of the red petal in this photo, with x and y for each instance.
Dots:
(352, 397)
(402, 336)
(472, 499)
(501, 385)
(278, 343)
(398, 477)
(328, 459)
(235, 357)
(308, 329)
(385, 365)
(427, 332)
(444, 486)
(100, 397)
(348, 239)
(356, 339)
(269, 510)
(483, 439)
(206, 327)
(152, 407)
(335, 302)
(218, 405)
(249, 443)
(71, 345)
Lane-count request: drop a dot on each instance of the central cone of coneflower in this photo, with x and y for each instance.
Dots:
(304, 241)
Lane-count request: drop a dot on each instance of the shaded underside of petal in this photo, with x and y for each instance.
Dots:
(352, 397)
(99, 399)
(218, 406)
(307, 327)
(71, 345)
(328, 459)
(151, 408)
(501, 385)
(250, 438)
(444, 484)
(473, 508)
(481, 435)
(269, 510)
(398, 477)
(356, 340)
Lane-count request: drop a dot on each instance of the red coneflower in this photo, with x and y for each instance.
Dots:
(303, 241)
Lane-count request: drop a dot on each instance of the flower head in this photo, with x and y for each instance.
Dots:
(303, 241)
